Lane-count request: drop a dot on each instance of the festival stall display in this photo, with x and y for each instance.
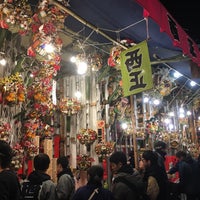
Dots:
(28, 84)
(115, 121)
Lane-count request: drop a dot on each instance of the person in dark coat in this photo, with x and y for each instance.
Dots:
(65, 187)
(160, 148)
(93, 189)
(9, 183)
(153, 174)
(123, 171)
(39, 176)
(189, 174)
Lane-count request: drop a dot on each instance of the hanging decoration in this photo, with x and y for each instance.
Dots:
(163, 82)
(12, 90)
(45, 130)
(69, 106)
(114, 59)
(17, 15)
(87, 136)
(18, 157)
(5, 130)
(40, 25)
(30, 149)
(140, 134)
(84, 162)
(152, 125)
(95, 61)
(104, 149)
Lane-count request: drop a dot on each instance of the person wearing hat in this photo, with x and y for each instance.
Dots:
(9, 183)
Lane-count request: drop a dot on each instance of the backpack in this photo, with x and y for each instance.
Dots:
(30, 191)
(139, 195)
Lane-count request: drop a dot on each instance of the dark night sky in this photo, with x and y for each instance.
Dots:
(187, 14)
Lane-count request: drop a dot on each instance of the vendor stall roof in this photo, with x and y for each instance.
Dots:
(136, 20)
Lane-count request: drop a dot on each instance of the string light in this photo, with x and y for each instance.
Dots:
(49, 48)
(78, 94)
(177, 74)
(3, 62)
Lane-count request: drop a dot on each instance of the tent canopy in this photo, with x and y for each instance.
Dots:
(102, 24)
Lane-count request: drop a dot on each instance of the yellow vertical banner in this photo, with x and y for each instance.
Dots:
(136, 69)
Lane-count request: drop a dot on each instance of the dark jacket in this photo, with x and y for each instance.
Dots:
(84, 192)
(122, 191)
(9, 186)
(189, 175)
(48, 190)
(157, 172)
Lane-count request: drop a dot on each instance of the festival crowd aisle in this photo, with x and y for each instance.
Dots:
(58, 126)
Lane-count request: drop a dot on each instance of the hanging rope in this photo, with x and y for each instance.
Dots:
(147, 28)
(178, 93)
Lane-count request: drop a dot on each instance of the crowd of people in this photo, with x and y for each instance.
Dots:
(150, 182)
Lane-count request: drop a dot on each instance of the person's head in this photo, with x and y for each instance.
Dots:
(181, 155)
(6, 154)
(161, 147)
(149, 158)
(117, 160)
(41, 162)
(62, 164)
(95, 174)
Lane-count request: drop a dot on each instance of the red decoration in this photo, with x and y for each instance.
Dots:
(87, 136)
(56, 146)
(84, 162)
(151, 8)
(30, 166)
(104, 165)
(103, 150)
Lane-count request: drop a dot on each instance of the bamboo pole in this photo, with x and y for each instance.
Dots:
(134, 130)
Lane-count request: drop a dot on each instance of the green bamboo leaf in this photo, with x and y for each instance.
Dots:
(68, 119)
(18, 67)
(87, 87)
(3, 33)
(104, 73)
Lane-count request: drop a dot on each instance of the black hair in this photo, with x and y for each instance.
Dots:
(151, 156)
(41, 162)
(181, 154)
(6, 154)
(160, 145)
(64, 162)
(95, 173)
(118, 157)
